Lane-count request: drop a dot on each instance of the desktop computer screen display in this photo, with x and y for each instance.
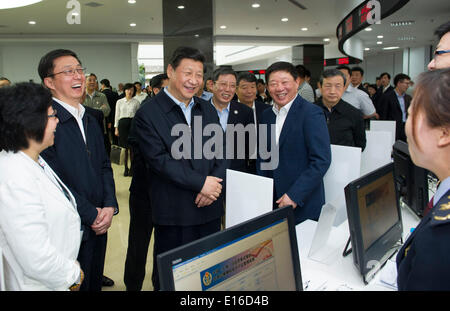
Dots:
(374, 219)
(260, 254)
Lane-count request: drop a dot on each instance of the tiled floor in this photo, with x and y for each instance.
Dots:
(118, 238)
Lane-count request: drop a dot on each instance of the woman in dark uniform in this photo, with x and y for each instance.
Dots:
(423, 262)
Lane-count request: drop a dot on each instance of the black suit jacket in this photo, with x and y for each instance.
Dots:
(175, 181)
(240, 114)
(390, 110)
(84, 167)
(378, 95)
(112, 98)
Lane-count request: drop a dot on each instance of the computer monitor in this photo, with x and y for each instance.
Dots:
(374, 219)
(411, 180)
(260, 254)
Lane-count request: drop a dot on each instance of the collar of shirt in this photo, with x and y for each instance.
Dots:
(441, 190)
(284, 110)
(223, 115)
(398, 95)
(77, 113)
(186, 110)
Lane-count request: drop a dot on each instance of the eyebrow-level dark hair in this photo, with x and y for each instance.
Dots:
(223, 71)
(46, 64)
(442, 30)
(329, 73)
(183, 52)
(282, 66)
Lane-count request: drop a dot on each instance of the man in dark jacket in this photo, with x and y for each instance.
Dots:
(185, 186)
(79, 158)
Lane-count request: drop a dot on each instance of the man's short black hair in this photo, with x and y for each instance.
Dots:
(106, 83)
(400, 77)
(302, 71)
(247, 77)
(23, 115)
(442, 30)
(357, 68)
(156, 81)
(329, 73)
(349, 70)
(282, 66)
(385, 74)
(4, 79)
(223, 71)
(46, 64)
(183, 52)
(260, 81)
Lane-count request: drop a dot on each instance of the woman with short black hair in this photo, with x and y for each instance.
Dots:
(39, 223)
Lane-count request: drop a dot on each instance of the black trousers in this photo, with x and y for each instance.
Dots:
(170, 237)
(92, 260)
(139, 235)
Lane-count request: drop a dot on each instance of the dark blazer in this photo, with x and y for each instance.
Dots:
(422, 262)
(174, 184)
(112, 98)
(377, 97)
(240, 114)
(390, 110)
(260, 107)
(304, 157)
(84, 167)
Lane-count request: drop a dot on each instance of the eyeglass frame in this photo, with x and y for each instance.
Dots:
(69, 72)
(436, 53)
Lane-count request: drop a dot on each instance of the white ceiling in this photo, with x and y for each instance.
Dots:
(245, 25)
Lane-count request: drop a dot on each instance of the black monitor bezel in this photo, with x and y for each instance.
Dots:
(377, 249)
(217, 239)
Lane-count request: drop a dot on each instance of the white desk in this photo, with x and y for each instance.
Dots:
(341, 273)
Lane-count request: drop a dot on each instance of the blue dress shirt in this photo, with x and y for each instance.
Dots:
(186, 110)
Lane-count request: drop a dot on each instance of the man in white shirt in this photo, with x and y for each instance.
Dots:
(355, 97)
(304, 90)
(140, 96)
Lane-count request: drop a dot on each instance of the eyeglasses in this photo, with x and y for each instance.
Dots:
(224, 85)
(53, 115)
(70, 72)
(436, 53)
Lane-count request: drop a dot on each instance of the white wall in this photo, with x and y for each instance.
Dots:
(374, 65)
(113, 61)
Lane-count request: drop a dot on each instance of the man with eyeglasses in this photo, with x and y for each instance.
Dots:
(78, 157)
(441, 57)
(233, 113)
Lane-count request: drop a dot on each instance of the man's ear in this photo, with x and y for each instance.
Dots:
(169, 71)
(48, 82)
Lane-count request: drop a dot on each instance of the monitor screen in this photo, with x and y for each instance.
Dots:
(374, 219)
(258, 255)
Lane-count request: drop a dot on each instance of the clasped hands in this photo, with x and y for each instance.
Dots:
(212, 188)
(103, 221)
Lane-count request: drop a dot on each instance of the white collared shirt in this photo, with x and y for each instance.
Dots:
(281, 116)
(76, 113)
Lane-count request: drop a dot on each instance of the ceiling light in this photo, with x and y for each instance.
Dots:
(326, 39)
(367, 49)
(133, 24)
(379, 42)
(368, 29)
(131, 1)
(284, 19)
(304, 29)
(402, 23)
(223, 27)
(32, 22)
(391, 48)
(7, 4)
(196, 35)
(180, 7)
(380, 37)
(256, 5)
(407, 38)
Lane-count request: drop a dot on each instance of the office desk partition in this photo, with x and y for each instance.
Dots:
(341, 274)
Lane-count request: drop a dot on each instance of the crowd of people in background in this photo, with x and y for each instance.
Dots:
(60, 136)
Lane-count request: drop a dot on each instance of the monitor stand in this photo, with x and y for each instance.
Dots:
(321, 250)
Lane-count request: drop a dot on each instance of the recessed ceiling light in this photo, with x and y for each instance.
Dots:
(32, 22)
(368, 29)
(391, 48)
(133, 24)
(367, 49)
(380, 37)
(379, 42)
(402, 23)
(131, 1)
(304, 29)
(196, 35)
(180, 7)
(284, 19)
(223, 27)
(326, 39)
(16, 3)
(256, 5)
